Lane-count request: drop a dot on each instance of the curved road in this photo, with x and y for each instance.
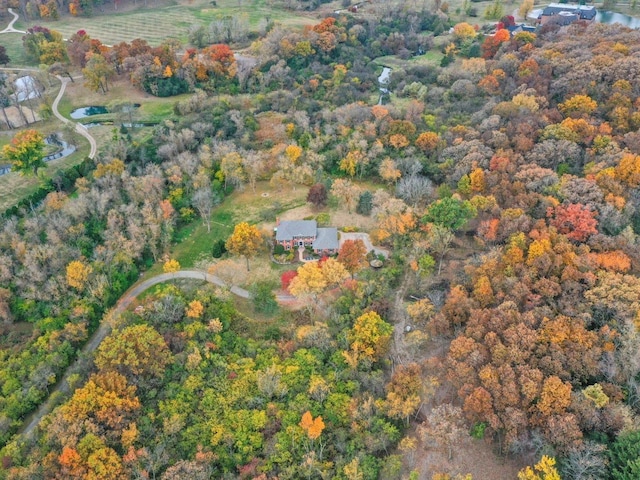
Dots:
(10, 28)
(81, 129)
(103, 330)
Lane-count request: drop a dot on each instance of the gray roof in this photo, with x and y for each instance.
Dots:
(327, 239)
(585, 12)
(287, 230)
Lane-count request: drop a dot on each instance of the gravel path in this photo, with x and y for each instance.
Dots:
(10, 28)
(81, 129)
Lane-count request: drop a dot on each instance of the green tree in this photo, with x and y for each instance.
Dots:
(624, 456)
(134, 351)
(449, 212)
(25, 152)
(264, 300)
(97, 73)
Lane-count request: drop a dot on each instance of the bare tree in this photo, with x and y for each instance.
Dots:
(202, 200)
(414, 189)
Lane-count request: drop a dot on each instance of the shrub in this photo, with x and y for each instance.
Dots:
(323, 219)
(278, 249)
(219, 248)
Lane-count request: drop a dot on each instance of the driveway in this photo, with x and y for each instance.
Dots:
(365, 239)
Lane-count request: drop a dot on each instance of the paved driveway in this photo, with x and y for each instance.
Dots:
(365, 239)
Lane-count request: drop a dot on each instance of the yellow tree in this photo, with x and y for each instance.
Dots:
(544, 470)
(388, 171)
(351, 162)
(578, 106)
(334, 272)
(245, 240)
(309, 281)
(195, 309)
(171, 266)
(368, 339)
(78, 274)
(525, 8)
(25, 152)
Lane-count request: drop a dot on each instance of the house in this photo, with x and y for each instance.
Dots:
(305, 233)
(566, 13)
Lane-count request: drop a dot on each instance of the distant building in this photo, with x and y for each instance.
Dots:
(305, 233)
(513, 29)
(563, 13)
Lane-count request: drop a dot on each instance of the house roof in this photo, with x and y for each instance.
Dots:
(585, 12)
(289, 229)
(327, 239)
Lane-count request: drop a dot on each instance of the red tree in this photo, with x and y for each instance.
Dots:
(576, 221)
(286, 277)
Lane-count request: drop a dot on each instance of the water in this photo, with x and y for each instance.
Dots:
(613, 17)
(64, 151)
(383, 81)
(26, 88)
(88, 111)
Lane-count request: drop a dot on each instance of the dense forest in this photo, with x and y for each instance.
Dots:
(504, 182)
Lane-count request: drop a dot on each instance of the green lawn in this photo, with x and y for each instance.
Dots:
(194, 242)
(13, 43)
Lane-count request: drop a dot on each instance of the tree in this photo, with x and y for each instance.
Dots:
(463, 32)
(171, 266)
(202, 200)
(4, 58)
(352, 255)
(136, 351)
(264, 300)
(232, 166)
(308, 281)
(525, 8)
(286, 278)
(365, 203)
(388, 171)
(97, 73)
(576, 221)
(368, 339)
(77, 274)
(333, 271)
(406, 392)
(578, 106)
(449, 212)
(445, 425)
(345, 191)
(25, 152)
(624, 456)
(317, 195)
(245, 240)
(543, 470)
(439, 239)
(313, 427)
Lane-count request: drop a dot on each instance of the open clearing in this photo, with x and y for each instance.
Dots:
(156, 24)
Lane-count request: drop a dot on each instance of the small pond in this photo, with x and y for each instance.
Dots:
(613, 17)
(88, 111)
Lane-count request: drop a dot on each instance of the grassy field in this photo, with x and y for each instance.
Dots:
(155, 24)
(193, 242)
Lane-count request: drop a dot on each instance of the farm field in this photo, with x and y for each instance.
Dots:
(155, 24)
